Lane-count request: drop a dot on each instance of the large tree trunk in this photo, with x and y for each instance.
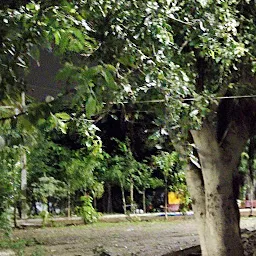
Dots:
(211, 188)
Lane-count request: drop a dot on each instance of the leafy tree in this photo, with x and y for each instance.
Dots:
(118, 168)
(9, 186)
(48, 187)
(144, 180)
(73, 164)
(25, 29)
(188, 56)
(191, 62)
(166, 162)
(18, 137)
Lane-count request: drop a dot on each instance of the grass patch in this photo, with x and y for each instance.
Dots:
(19, 245)
(16, 245)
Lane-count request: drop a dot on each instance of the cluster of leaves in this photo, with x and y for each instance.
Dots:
(88, 213)
(127, 169)
(48, 187)
(9, 184)
(56, 169)
(135, 51)
(172, 169)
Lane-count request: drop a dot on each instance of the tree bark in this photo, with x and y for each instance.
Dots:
(95, 202)
(23, 172)
(15, 216)
(24, 186)
(123, 197)
(132, 196)
(212, 192)
(196, 188)
(166, 200)
(69, 202)
(109, 205)
(144, 200)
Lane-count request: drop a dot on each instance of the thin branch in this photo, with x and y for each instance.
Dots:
(184, 100)
(137, 102)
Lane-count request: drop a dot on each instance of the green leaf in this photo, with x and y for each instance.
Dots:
(76, 46)
(63, 115)
(203, 3)
(34, 53)
(66, 72)
(64, 42)
(193, 113)
(30, 6)
(109, 79)
(110, 67)
(62, 126)
(2, 142)
(57, 37)
(90, 106)
(90, 73)
(78, 34)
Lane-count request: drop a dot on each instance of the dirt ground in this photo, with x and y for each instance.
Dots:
(126, 238)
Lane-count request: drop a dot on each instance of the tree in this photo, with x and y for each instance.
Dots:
(69, 154)
(48, 187)
(118, 168)
(197, 60)
(145, 180)
(109, 175)
(25, 29)
(192, 62)
(166, 163)
(9, 185)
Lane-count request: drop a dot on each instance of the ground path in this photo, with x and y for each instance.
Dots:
(147, 238)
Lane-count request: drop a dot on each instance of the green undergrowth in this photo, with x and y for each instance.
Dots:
(19, 245)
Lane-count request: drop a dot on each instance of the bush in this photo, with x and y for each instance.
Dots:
(5, 223)
(86, 211)
(45, 217)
